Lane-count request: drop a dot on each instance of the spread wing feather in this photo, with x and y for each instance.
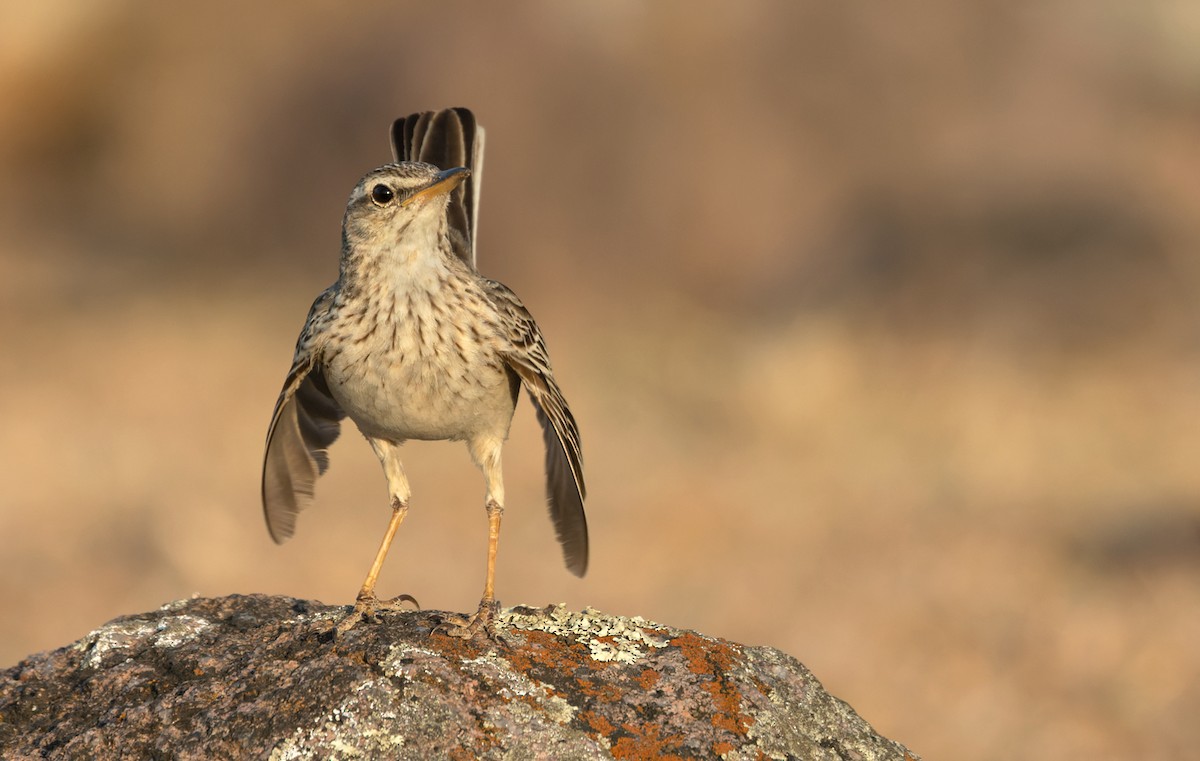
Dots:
(306, 421)
(565, 489)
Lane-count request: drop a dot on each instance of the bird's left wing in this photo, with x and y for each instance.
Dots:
(565, 489)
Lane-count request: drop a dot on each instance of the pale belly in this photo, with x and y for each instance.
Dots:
(416, 398)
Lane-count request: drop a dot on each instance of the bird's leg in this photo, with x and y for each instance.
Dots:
(367, 593)
(367, 604)
(467, 627)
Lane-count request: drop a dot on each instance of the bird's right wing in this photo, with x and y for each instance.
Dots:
(306, 421)
(448, 139)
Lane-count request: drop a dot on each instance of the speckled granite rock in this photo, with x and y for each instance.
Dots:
(260, 677)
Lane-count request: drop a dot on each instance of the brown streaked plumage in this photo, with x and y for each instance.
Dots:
(412, 343)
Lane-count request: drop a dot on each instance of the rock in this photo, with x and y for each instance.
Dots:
(261, 677)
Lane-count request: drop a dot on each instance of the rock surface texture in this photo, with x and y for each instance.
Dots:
(261, 678)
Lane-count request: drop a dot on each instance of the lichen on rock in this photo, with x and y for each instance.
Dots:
(262, 677)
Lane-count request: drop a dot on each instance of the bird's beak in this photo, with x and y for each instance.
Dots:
(442, 184)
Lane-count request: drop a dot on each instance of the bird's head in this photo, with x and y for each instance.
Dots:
(400, 206)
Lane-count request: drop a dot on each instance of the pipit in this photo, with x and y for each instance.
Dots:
(412, 343)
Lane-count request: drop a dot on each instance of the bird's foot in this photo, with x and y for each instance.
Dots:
(368, 607)
(466, 627)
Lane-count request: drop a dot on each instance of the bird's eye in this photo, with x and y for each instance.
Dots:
(382, 195)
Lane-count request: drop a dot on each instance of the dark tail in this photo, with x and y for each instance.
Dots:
(447, 139)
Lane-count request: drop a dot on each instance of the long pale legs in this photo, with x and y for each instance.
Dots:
(486, 454)
(367, 603)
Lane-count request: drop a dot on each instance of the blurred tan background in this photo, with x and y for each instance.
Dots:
(881, 324)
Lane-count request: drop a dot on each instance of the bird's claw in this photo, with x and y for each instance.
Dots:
(368, 608)
(467, 627)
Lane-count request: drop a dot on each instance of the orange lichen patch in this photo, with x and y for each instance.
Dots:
(453, 647)
(716, 658)
(648, 678)
(760, 685)
(597, 722)
(522, 658)
(728, 714)
(548, 651)
(645, 744)
(607, 693)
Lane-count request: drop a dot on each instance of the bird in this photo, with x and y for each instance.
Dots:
(412, 343)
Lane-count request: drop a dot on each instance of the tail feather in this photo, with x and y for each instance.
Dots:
(447, 139)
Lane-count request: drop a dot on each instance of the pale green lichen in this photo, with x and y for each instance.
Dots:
(512, 684)
(608, 638)
(350, 730)
(126, 635)
(116, 636)
(176, 630)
